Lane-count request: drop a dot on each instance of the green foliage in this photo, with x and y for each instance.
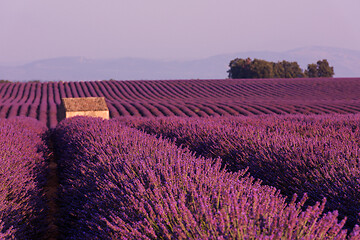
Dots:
(287, 69)
(4, 81)
(245, 68)
(262, 69)
(320, 69)
(240, 68)
(257, 68)
(311, 70)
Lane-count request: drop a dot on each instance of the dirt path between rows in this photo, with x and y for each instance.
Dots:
(51, 189)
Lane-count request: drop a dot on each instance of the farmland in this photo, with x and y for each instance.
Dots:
(192, 159)
(186, 97)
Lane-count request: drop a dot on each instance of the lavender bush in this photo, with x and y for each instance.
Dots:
(318, 155)
(22, 178)
(119, 183)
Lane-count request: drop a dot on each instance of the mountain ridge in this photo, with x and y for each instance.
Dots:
(346, 64)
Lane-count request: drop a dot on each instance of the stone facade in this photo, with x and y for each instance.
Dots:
(88, 106)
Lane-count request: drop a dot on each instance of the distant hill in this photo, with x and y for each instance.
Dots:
(346, 64)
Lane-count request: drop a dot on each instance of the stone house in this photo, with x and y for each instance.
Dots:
(87, 106)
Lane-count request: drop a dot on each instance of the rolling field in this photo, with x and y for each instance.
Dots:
(317, 155)
(277, 159)
(186, 97)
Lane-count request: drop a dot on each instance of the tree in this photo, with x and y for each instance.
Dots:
(240, 68)
(287, 69)
(324, 70)
(247, 68)
(320, 69)
(257, 68)
(261, 69)
(311, 71)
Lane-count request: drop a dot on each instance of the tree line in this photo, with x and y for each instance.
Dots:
(258, 68)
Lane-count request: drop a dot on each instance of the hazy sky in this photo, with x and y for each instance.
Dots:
(171, 29)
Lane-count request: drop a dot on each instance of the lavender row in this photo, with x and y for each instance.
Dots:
(22, 177)
(193, 98)
(318, 155)
(119, 183)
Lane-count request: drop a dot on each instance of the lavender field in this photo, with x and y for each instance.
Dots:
(297, 154)
(23, 167)
(186, 98)
(119, 183)
(195, 159)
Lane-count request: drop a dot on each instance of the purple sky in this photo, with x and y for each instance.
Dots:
(171, 29)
